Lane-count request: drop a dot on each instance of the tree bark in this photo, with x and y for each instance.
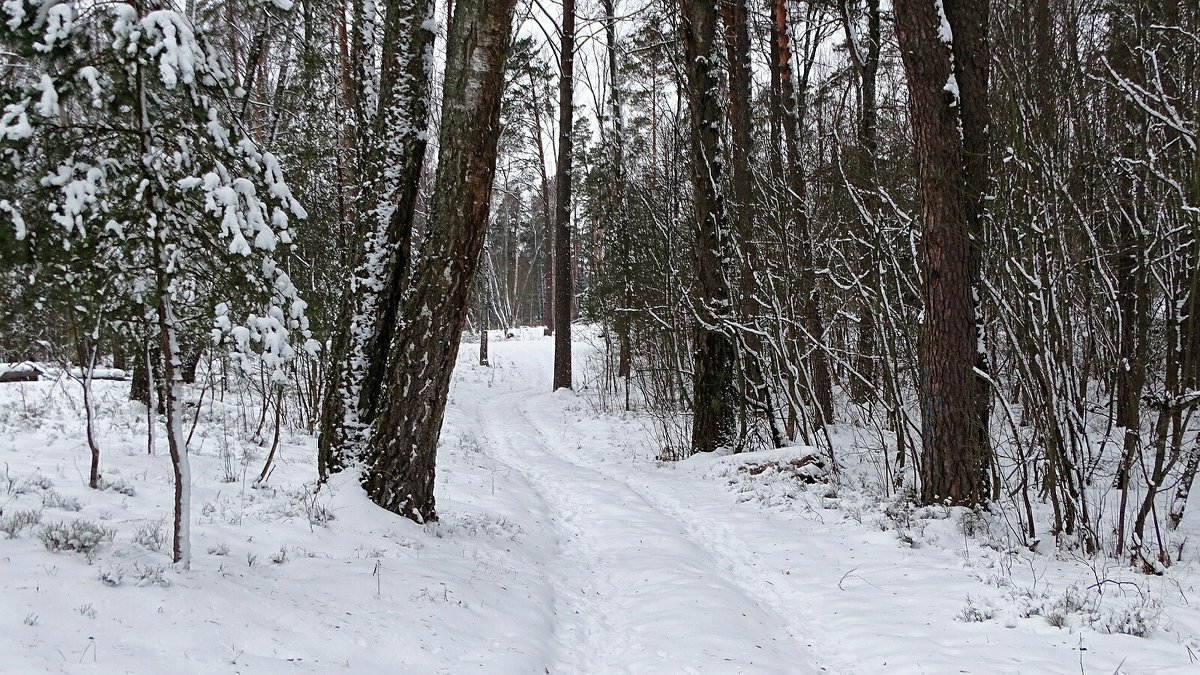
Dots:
(191, 362)
(619, 204)
(391, 153)
(400, 457)
(757, 398)
(485, 314)
(564, 286)
(401, 122)
(714, 351)
(946, 60)
(864, 55)
(86, 353)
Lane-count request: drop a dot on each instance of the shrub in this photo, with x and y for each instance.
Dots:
(14, 485)
(977, 610)
(52, 499)
(111, 576)
(120, 486)
(14, 523)
(148, 575)
(150, 535)
(35, 482)
(1138, 621)
(82, 536)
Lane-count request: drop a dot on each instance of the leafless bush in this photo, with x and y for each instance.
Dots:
(16, 522)
(81, 536)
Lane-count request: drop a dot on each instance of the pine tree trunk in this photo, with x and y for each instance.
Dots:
(485, 315)
(400, 457)
(332, 439)
(948, 81)
(147, 371)
(483, 339)
(712, 401)
(153, 400)
(120, 353)
(618, 204)
(191, 363)
(547, 252)
(564, 286)
(758, 397)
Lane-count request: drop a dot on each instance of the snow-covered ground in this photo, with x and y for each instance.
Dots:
(563, 547)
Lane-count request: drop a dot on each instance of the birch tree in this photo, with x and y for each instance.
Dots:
(391, 108)
(401, 454)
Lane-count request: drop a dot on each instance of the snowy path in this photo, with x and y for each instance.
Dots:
(635, 583)
(657, 568)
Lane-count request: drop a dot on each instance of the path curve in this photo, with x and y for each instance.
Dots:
(636, 589)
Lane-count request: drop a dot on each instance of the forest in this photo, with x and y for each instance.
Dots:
(950, 248)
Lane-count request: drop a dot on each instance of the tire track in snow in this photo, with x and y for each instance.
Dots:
(636, 591)
(730, 552)
(581, 628)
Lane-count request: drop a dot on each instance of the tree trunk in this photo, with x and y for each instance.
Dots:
(713, 412)
(171, 356)
(564, 287)
(400, 456)
(176, 442)
(153, 400)
(191, 362)
(1129, 20)
(946, 61)
(547, 218)
(391, 153)
(737, 46)
(147, 371)
(618, 204)
(485, 315)
(86, 353)
(401, 121)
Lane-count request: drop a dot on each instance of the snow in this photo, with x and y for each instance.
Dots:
(14, 215)
(563, 546)
(14, 123)
(945, 32)
(60, 19)
(47, 105)
(100, 373)
(952, 88)
(53, 370)
(16, 13)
